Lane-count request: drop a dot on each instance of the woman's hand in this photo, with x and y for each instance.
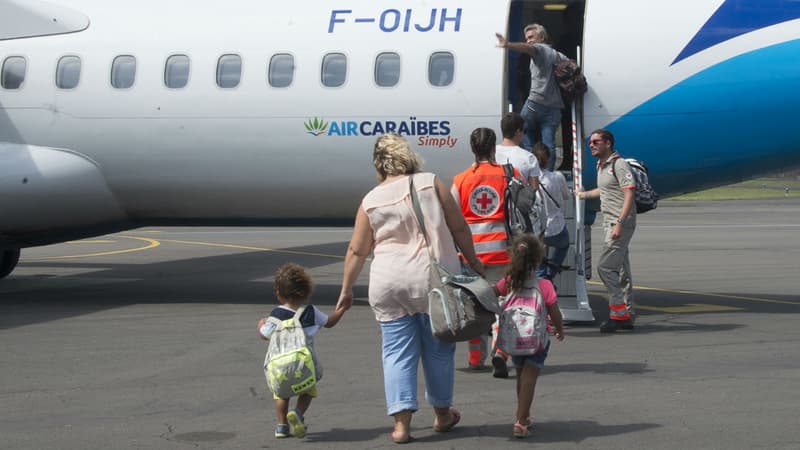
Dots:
(345, 300)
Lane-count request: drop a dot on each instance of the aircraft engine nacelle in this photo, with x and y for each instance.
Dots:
(46, 189)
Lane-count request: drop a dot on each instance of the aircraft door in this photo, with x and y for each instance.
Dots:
(564, 24)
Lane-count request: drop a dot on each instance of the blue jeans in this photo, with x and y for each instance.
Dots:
(544, 119)
(405, 342)
(560, 245)
(536, 360)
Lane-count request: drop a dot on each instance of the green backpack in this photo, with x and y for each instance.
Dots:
(290, 366)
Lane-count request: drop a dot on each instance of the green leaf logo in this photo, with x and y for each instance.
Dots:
(316, 126)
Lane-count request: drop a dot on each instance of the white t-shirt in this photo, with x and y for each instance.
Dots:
(521, 159)
(284, 312)
(556, 185)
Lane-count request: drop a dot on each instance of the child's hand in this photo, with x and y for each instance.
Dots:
(261, 323)
(559, 335)
(344, 303)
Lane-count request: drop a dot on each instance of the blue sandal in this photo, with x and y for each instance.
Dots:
(283, 431)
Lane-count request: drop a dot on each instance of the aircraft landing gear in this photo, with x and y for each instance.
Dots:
(8, 261)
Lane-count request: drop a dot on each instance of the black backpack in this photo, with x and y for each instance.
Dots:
(523, 212)
(645, 196)
(571, 81)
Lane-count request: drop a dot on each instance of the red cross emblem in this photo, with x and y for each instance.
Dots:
(484, 201)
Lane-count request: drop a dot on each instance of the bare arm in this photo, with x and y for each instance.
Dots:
(594, 193)
(454, 193)
(458, 227)
(335, 317)
(566, 194)
(534, 182)
(357, 253)
(628, 203)
(558, 323)
(521, 47)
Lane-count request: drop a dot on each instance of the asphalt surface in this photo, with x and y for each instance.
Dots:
(147, 339)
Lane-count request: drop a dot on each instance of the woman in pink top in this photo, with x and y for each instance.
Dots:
(386, 225)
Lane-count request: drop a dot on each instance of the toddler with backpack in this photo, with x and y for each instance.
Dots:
(291, 366)
(526, 302)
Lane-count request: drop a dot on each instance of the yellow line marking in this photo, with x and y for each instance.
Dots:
(709, 294)
(152, 243)
(92, 241)
(247, 247)
(689, 308)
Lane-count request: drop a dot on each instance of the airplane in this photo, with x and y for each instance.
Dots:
(117, 115)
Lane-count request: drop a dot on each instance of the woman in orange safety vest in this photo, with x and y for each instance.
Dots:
(480, 192)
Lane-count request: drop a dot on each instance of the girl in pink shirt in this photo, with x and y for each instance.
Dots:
(520, 280)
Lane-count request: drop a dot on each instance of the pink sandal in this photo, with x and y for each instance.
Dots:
(455, 417)
(520, 430)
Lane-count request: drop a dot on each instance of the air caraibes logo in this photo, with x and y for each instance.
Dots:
(426, 133)
(316, 126)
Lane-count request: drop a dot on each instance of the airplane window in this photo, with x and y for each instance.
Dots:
(334, 69)
(387, 69)
(123, 72)
(440, 68)
(176, 72)
(68, 72)
(281, 70)
(13, 72)
(229, 71)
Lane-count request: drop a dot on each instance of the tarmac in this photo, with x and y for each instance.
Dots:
(147, 339)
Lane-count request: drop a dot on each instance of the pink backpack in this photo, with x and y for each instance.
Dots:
(522, 329)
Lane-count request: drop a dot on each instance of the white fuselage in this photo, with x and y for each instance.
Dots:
(83, 159)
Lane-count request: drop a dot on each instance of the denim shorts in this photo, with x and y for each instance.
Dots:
(535, 360)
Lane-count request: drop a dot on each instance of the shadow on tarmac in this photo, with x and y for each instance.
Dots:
(244, 278)
(566, 430)
(541, 432)
(59, 303)
(599, 368)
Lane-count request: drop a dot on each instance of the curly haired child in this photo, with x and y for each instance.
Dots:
(293, 288)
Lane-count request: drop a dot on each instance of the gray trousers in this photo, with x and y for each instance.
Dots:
(614, 269)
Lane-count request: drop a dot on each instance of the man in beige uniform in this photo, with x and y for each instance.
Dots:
(615, 188)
